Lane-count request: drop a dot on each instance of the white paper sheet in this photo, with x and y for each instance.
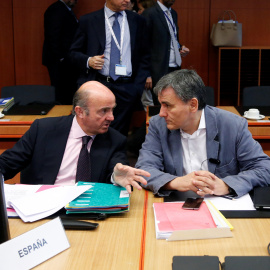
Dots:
(17, 191)
(242, 203)
(42, 204)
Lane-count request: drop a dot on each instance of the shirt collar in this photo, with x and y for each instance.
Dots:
(109, 12)
(164, 8)
(201, 127)
(66, 5)
(76, 131)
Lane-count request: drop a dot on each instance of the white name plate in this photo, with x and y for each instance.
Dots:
(34, 247)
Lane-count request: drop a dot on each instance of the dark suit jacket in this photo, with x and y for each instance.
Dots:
(90, 40)
(59, 28)
(159, 40)
(42, 149)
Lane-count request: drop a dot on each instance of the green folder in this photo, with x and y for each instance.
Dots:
(100, 198)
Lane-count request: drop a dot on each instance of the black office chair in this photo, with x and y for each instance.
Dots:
(256, 96)
(27, 94)
(210, 95)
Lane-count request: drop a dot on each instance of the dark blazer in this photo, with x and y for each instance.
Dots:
(42, 149)
(90, 40)
(59, 28)
(159, 40)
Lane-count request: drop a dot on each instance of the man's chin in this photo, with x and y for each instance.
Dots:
(171, 127)
(104, 129)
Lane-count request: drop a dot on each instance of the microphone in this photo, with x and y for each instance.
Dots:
(214, 160)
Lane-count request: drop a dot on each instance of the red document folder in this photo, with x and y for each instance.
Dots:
(171, 217)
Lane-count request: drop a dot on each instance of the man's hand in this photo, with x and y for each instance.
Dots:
(182, 183)
(184, 51)
(208, 183)
(148, 83)
(127, 176)
(200, 182)
(96, 62)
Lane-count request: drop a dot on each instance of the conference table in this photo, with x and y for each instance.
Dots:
(128, 241)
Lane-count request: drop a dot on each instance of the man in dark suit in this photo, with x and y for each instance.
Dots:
(51, 148)
(165, 48)
(60, 24)
(114, 52)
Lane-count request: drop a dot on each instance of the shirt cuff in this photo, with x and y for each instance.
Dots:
(112, 180)
(87, 63)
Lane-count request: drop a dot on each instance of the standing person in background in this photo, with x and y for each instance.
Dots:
(144, 4)
(132, 6)
(166, 51)
(111, 46)
(60, 24)
(138, 136)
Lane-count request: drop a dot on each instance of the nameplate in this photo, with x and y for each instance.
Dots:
(34, 247)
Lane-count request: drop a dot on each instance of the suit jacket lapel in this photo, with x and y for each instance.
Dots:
(161, 16)
(100, 28)
(132, 30)
(212, 141)
(175, 145)
(56, 139)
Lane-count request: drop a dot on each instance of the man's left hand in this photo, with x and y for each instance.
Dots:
(127, 176)
(184, 51)
(208, 183)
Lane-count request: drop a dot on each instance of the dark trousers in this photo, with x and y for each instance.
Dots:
(63, 77)
(127, 98)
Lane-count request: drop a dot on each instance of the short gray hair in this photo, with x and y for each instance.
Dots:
(187, 84)
(80, 99)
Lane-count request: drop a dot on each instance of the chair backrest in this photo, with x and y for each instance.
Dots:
(210, 95)
(256, 96)
(26, 94)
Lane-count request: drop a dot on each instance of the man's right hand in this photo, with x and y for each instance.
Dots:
(96, 62)
(186, 183)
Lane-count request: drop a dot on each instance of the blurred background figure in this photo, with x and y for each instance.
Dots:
(144, 4)
(60, 25)
(166, 51)
(132, 5)
(136, 139)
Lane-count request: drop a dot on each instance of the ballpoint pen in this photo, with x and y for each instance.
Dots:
(226, 197)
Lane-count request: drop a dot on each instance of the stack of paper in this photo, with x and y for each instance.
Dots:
(170, 217)
(100, 198)
(7, 103)
(44, 203)
(171, 220)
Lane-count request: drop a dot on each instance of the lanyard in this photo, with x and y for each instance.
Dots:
(120, 47)
(171, 23)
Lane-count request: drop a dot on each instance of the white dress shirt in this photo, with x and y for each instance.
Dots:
(194, 149)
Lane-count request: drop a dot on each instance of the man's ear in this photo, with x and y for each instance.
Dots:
(194, 104)
(79, 111)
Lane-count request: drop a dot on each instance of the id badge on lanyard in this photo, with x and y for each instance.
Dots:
(120, 69)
